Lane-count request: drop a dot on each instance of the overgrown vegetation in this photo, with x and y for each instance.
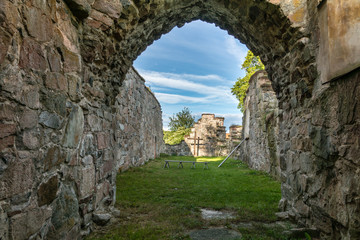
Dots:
(180, 124)
(251, 65)
(158, 203)
(175, 137)
(182, 119)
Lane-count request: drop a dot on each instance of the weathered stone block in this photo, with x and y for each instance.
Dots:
(74, 86)
(7, 130)
(32, 56)
(7, 142)
(72, 61)
(28, 119)
(4, 45)
(102, 191)
(87, 160)
(25, 224)
(56, 81)
(86, 181)
(108, 167)
(66, 212)
(4, 221)
(30, 97)
(47, 191)
(7, 112)
(38, 24)
(74, 128)
(17, 179)
(101, 219)
(99, 20)
(87, 145)
(31, 139)
(55, 103)
(54, 60)
(51, 120)
(94, 122)
(54, 157)
(103, 140)
(111, 8)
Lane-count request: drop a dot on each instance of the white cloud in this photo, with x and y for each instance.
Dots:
(162, 83)
(175, 98)
(182, 82)
(210, 77)
(235, 48)
(166, 121)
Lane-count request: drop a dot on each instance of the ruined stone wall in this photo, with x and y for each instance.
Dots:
(63, 62)
(261, 126)
(211, 132)
(181, 149)
(138, 130)
(213, 142)
(63, 131)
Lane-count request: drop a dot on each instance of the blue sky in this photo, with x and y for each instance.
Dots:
(194, 66)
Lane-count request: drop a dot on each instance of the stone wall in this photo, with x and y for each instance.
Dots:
(138, 131)
(181, 149)
(210, 135)
(261, 126)
(62, 144)
(62, 64)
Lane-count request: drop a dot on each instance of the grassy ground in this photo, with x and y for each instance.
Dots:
(158, 203)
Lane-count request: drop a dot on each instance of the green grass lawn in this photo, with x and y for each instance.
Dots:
(158, 203)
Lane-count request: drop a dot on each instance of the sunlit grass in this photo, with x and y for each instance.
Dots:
(209, 159)
(158, 203)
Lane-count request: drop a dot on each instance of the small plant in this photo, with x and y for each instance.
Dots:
(307, 236)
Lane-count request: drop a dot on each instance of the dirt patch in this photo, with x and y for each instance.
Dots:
(208, 214)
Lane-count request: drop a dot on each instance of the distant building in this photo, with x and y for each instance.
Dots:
(208, 137)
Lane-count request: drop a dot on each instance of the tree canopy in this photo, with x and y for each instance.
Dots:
(251, 64)
(175, 137)
(180, 124)
(181, 119)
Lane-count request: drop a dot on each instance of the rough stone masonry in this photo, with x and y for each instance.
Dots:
(260, 150)
(62, 68)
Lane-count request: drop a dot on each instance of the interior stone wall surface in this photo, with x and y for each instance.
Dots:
(181, 149)
(62, 64)
(139, 131)
(260, 149)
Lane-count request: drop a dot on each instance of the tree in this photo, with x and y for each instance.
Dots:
(175, 137)
(179, 125)
(181, 119)
(251, 64)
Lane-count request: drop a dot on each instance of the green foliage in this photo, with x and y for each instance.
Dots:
(307, 236)
(181, 119)
(158, 203)
(179, 125)
(175, 137)
(251, 64)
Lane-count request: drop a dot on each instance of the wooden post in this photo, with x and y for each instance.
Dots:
(195, 144)
(198, 146)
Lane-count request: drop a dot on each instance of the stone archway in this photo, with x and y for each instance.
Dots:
(62, 65)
